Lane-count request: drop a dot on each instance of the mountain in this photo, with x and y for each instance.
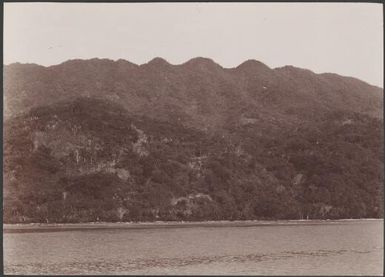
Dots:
(102, 140)
(197, 89)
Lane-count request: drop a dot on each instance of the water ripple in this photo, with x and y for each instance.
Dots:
(140, 264)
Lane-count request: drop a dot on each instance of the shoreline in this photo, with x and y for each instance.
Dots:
(58, 227)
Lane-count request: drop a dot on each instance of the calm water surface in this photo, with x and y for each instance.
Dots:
(335, 248)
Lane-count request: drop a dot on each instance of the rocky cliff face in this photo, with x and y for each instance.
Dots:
(114, 141)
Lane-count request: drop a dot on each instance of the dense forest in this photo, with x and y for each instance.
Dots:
(98, 140)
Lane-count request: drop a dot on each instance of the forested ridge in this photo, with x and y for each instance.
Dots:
(98, 140)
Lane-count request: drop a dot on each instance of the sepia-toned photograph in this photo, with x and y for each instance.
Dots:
(198, 138)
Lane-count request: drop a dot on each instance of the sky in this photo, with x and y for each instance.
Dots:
(343, 38)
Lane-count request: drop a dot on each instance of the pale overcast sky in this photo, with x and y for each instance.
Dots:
(344, 38)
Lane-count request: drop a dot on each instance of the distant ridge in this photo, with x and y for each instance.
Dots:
(134, 85)
(197, 61)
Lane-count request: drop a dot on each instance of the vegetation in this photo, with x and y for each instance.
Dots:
(111, 141)
(87, 164)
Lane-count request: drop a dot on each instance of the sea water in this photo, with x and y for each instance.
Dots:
(353, 247)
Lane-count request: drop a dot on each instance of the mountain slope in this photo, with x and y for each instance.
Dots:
(94, 160)
(198, 89)
(113, 141)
